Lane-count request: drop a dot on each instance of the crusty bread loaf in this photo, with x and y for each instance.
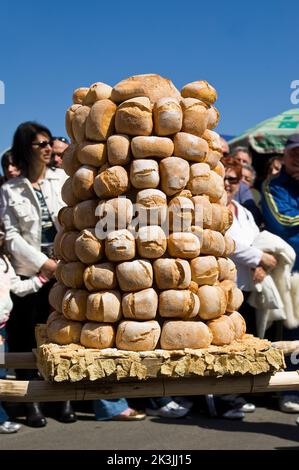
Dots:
(178, 334)
(219, 169)
(88, 248)
(134, 117)
(111, 182)
(104, 306)
(174, 174)
(213, 119)
(213, 140)
(204, 181)
(195, 116)
(100, 121)
(152, 206)
(97, 335)
(119, 149)
(78, 123)
(141, 305)
(190, 147)
(180, 213)
(227, 269)
(178, 304)
(67, 193)
(212, 302)
(230, 245)
(144, 174)
(84, 214)
(204, 270)
(57, 241)
(152, 146)
(70, 162)
(201, 90)
(151, 242)
(212, 243)
(138, 336)
(234, 295)
(58, 271)
(72, 274)
(96, 92)
(223, 330)
(92, 153)
(222, 218)
(82, 182)
(74, 304)
(79, 95)
(202, 211)
(69, 116)
(134, 275)
(100, 276)
(168, 116)
(172, 273)
(66, 218)
(184, 245)
(67, 246)
(120, 245)
(213, 158)
(239, 324)
(56, 295)
(63, 331)
(223, 200)
(119, 210)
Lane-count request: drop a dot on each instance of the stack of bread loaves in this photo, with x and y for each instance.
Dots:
(144, 156)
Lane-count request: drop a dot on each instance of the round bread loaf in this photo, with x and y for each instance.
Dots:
(104, 306)
(92, 153)
(69, 118)
(67, 193)
(97, 335)
(151, 242)
(213, 140)
(111, 182)
(58, 271)
(235, 296)
(183, 245)
(140, 305)
(63, 331)
(230, 245)
(202, 211)
(120, 245)
(144, 174)
(174, 173)
(178, 334)
(138, 336)
(70, 162)
(239, 324)
(78, 123)
(84, 214)
(82, 182)
(213, 119)
(66, 218)
(212, 302)
(57, 242)
(100, 277)
(119, 150)
(201, 90)
(220, 170)
(222, 218)
(88, 248)
(134, 117)
(195, 116)
(71, 274)
(180, 213)
(79, 95)
(204, 270)
(134, 275)
(213, 243)
(178, 304)
(204, 181)
(168, 116)
(190, 147)
(225, 267)
(56, 295)
(67, 246)
(213, 158)
(96, 92)
(198, 232)
(117, 211)
(152, 206)
(223, 330)
(74, 304)
(172, 273)
(152, 146)
(100, 121)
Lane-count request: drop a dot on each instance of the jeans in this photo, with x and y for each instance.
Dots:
(3, 415)
(106, 409)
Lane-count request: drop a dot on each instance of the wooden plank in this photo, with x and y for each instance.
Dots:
(24, 360)
(29, 391)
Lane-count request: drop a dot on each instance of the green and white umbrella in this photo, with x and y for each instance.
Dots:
(270, 136)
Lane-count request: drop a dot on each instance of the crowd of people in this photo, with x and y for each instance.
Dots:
(265, 226)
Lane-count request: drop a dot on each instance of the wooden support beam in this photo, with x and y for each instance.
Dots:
(25, 360)
(29, 391)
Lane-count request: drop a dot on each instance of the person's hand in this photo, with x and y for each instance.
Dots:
(268, 262)
(48, 268)
(259, 274)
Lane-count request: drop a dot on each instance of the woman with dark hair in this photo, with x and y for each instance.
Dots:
(10, 169)
(29, 207)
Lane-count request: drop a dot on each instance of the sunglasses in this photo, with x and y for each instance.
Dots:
(43, 144)
(231, 179)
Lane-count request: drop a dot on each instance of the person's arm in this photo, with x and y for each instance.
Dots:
(277, 207)
(247, 255)
(24, 287)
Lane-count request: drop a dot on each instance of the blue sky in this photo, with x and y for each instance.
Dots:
(247, 50)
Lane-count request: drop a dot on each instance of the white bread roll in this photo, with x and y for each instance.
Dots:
(204, 181)
(84, 214)
(230, 245)
(69, 116)
(202, 211)
(71, 274)
(223, 330)
(88, 248)
(239, 324)
(100, 121)
(212, 302)
(82, 182)
(119, 149)
(183, 245)
(140, 305)
(56, 295)
(66, 218)
(119, 210)
(74, 304)
(213, 140)
(185, 334)
(151, 242)
(178, 304)
(168, 116)
(70, 162)
(213, 158)
(213, 119)
(201, 90)
(104, 306)
(134, 275)
(120, 245)
(79, 95)
(144, 174)
(151, 85)
(212, 243)
(96, 92)
(100, 276)
(222, 218)
(134, 117)
(78, 123)
(190, 147)
(111, 182)
(227, 269)
(67, 193)
(67, 246)
(63, 331)
(195, 116)
(233, 294)
(174, 174)
(172, 273)
(180, 214)
(204, 270)
(97, 335)
(138, 336)
(152, 206)
(152, 146)
(92, 153)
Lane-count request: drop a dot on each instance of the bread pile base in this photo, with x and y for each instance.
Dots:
(73, 363)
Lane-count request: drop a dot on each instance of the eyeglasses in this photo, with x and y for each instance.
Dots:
(43, 144)
(61, 139)
(232, 179)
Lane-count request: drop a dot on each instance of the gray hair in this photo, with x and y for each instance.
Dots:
(250, 168)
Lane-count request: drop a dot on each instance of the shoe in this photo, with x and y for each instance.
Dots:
(239, 403)
(184, 402)
(233, 414)
(289, 404)
(8, 427)
(171, 410)
(35, 417)
(134, 415)
(67, 414)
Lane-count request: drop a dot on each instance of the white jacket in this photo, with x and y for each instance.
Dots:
(21, 214)
(10, 282)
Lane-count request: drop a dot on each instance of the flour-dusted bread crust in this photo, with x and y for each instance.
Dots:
(137, 335)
